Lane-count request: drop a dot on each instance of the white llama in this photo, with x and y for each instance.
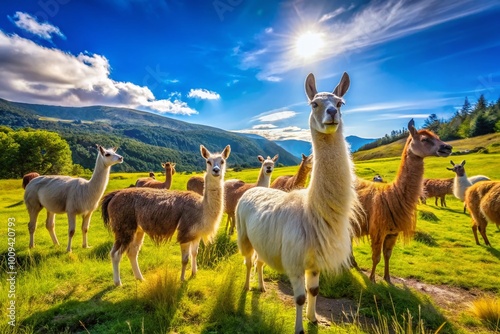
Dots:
(75, 196)
(305, 231)
(461, 182)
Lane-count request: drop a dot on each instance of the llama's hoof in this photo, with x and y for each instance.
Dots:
(86, 246)
(119, 283)
(68, 250)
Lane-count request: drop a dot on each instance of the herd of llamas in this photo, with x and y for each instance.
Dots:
(296, 229)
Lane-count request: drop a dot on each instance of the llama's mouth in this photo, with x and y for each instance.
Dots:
(444, 152)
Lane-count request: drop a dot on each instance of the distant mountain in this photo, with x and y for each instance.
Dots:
(145, 139)
(297, 147)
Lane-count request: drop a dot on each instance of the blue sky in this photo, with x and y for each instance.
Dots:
(240, 65)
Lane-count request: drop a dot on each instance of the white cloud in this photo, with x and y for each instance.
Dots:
(402, 105)
(232, 82)
(264, 126)
(269, 30)
(35, 74)
(275, 116)
(29, 23)
(376, 23)
(272, 78)
(203, 94)
(335, 13)
(280, 133)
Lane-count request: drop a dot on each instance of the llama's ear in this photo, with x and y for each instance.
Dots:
(343, 85)
(115, 148)
(204, 152)
(163, 165)
(411, 128)
(226, 152)
(451, 161)
(311, 90)
(261, 158)
(303, 156)
(100, 148)
(276, 157)
(448, 168)
(463, 163)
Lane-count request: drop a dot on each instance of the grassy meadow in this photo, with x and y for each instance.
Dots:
(57, 292)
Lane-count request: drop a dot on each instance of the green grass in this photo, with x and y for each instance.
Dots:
(58, 292)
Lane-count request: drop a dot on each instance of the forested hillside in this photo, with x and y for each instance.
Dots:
(144, 139)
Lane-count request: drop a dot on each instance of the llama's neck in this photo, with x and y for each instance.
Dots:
(99, 180)
(299, 179)
(330, 192)
(212, 203)
(460, 185)
(409, 179)
(168, 179)
(264, 179)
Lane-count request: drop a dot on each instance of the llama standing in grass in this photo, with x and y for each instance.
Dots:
(437, 188)
(390, 208)
(28, 177)
(151, 182)
(75, 196)
(483, 201)
(305, 231)
(234, 188)
(462, 182)
(297, 181)
(159, 213)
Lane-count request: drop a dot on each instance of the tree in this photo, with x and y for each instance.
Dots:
(465, 110)
(31, 150)
(432, 123)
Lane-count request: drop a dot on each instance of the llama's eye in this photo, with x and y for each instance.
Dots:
(209, 163)
(222, 162)
(314, 104)
(107, 154)
(339, 104)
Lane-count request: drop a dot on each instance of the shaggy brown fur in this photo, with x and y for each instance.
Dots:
(151, 182)
(483, 201)
(159, 213)
(390, 208)
(28, 177)
(297, 181)
(196, 184)
(437, 188)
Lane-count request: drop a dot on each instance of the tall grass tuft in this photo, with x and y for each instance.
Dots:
(488, 311)
(425, 238)
(428, 215)
(221, 249)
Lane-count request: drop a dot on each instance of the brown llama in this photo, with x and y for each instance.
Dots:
(483, 201)
(234, 188)
(132, 212)
(390, 208)
(151, 182)
(28, 177)
(75, 196)
(297, 181)
(437, 188)
(305, 231)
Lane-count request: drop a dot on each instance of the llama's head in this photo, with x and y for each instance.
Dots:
(459, 169)
(425, 143)
(152, 175)
(307, 161)
(109, 156)
(325, 114)
(268, 163)
(216, 162)
(169, 168)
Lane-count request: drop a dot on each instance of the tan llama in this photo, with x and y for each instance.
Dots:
(297, 181)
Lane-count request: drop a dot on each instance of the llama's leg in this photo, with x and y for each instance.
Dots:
(444, 201)
(474, 230)
(228, 222)
(233, 225)
(299, 294)
(85, 229)
(71, 229)
(33, 212)
(389, 242)
(260, 274)
(133, 253)
(354, 264)
(50, 224)
(249, 263)
(376, 251)
(194, 253)
(185, 250)
(436, 201)
(116, 256)
(482, 230)
(312, 288)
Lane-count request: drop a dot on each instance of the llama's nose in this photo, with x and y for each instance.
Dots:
(216, 169)
(331, 111)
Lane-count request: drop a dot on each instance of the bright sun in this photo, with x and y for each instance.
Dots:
(309, 44)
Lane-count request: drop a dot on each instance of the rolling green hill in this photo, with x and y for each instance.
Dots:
(145, 139)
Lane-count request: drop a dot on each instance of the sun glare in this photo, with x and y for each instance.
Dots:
(309, 44)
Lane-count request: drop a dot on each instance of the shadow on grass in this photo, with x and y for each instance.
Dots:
(101, 252)
(149, 313)
(495, 252)
(29, 260)
(14, 205)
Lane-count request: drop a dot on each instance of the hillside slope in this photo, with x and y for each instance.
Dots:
(145, 139)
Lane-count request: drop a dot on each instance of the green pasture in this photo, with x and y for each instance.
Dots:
(57, 292)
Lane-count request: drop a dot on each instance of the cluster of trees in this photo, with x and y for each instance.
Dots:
(469, 121)
(28, 150)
